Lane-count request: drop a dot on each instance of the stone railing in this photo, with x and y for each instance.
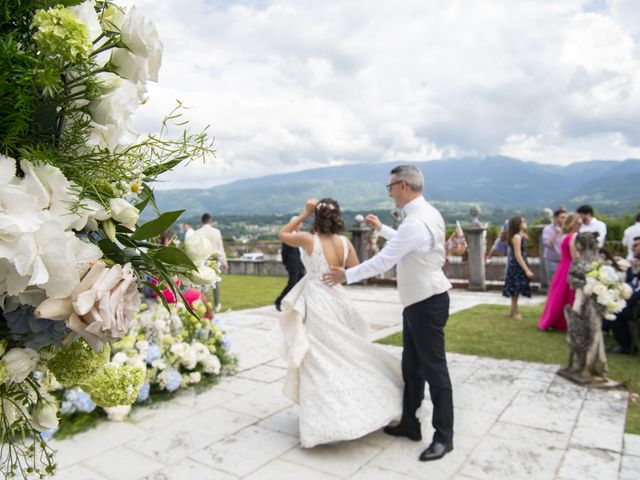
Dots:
(474, 273)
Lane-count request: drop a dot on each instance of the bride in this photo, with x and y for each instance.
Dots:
(346, 387)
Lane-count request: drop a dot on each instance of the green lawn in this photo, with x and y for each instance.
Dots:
(487, 331)
(249, 291)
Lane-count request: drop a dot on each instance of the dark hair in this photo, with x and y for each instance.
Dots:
(514, 227)
(638, 217)
(165, 237)
(585, 210)
(206, 218)
(328, 217)
(559, 211)
(635, 239)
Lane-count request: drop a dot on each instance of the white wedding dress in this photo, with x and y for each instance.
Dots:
(346, 387)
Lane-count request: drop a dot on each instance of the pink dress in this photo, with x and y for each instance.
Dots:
(559, 292)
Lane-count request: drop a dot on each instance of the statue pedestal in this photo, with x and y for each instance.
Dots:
(359, 234)
(475, 235)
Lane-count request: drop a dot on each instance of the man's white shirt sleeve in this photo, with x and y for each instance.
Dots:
(412, 235)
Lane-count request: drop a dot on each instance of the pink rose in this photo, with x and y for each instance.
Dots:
(101, 307)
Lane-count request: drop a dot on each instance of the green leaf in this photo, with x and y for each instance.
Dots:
(174, 256)
(163, 167)
(158, 292)
(156, 227)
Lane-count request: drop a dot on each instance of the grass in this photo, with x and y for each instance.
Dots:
(487, 331)
(249, 291)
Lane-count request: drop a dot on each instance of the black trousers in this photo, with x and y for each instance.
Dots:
(296, 272)
(424, 360)
(622, 328)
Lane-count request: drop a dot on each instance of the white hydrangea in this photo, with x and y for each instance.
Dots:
(38, 249)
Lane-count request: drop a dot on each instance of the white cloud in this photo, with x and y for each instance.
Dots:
(293, 84)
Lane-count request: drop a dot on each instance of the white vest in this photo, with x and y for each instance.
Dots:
(420, 274)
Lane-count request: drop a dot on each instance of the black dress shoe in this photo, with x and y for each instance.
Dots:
(278, 307)
(435, 451)
(401, 431)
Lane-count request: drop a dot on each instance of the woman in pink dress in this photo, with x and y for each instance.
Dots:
(559, 292)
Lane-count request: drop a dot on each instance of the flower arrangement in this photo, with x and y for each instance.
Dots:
(74, 177)
(607, 286)
(174, 349)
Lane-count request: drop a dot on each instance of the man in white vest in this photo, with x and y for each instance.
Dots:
(418, 250)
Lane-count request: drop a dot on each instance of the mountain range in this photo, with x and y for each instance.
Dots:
(612, 187)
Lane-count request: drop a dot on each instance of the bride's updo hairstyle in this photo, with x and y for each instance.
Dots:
(328, 217)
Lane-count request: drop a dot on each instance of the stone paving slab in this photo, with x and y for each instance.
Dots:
(513, 420)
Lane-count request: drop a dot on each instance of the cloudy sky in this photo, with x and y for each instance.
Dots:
(294, 84)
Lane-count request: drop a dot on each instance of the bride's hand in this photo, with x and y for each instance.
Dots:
(310, 206)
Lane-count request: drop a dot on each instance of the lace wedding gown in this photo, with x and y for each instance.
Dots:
(346, 387)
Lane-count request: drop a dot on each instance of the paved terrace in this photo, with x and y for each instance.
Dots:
(513, 420)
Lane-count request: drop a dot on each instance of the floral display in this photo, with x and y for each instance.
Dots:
(174, 349)
(74, 180)
(607, 286)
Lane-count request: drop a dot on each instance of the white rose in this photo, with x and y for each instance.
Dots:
(627, 291)
(198, 248)
(117, 105)
(599, 290)
(195, 377)
(142, 41)
(142, 345)
(123, 212)
(212, 364)
(20, 362)
(179, 349)
(44, 416)
(203, 276)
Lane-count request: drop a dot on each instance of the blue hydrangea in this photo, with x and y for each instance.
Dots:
(153, 353)
(76, 400)
(35, 332)
(174, 380)
(143, 394)
(226, 342)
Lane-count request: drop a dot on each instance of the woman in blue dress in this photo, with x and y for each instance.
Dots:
(518, 275)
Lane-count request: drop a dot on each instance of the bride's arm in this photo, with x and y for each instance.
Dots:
(292, 238)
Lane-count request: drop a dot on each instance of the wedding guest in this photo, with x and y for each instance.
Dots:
(559, 292)
(552, 235)
(188, 230)
(626, 322)
(215, 237)
(456, 244)
(500, 244)
(592, 224)
(629, 236)
(518, 276)
(295, 269)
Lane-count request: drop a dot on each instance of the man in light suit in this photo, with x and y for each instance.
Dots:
(215, 237)
(418, 250)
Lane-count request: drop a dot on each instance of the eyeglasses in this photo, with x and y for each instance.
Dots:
(392, 184)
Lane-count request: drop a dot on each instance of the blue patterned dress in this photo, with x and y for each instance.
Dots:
(516, 281)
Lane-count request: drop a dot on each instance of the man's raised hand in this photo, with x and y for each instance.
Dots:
(373, 221)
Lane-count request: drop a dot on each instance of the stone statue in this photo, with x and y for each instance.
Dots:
(587, 363)
(474, 211)
(547, 216)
